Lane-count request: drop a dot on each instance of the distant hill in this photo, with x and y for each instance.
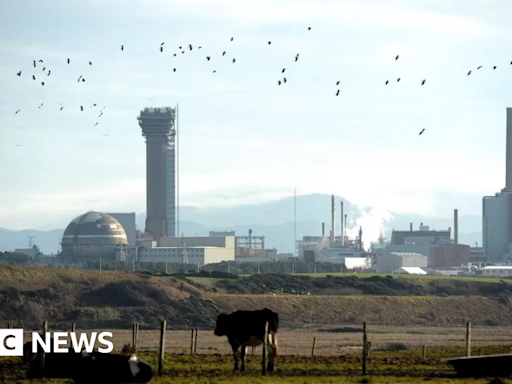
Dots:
(275, 221)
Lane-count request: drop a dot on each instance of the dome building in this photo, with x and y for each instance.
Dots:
(94, 235)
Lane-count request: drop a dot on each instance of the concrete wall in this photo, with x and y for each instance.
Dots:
(217, 255)
(448, 255)
(171, 192)
(495, 225)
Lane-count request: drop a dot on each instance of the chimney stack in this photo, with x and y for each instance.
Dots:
(345, 226)
(456, 226)
(332, 219)
(410, 227)
(508, 177)
(360, 238)
(342, 239)
(323, 229)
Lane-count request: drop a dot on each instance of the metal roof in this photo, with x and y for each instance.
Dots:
(406, 254)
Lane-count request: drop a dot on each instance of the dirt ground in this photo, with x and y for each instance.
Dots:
(300, 342)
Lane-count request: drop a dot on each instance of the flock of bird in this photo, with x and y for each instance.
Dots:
(208, 58)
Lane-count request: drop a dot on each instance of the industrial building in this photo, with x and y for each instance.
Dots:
(423, 236)
(94, 235)
(158, 127)
(497, 211)
(449, 255)
(335, 249)
(497, 271)
(128, 221)
(395, 260)
(187, 250)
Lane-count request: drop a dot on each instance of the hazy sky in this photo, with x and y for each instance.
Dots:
(243, 137)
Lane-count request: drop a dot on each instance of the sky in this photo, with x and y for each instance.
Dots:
(244, 138)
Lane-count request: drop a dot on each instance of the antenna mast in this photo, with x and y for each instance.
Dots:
(177, 171)
(295, 221)
(30, 241)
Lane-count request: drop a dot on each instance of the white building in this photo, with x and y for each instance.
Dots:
(410, 271)
(395, 260)
(198, 250)
(498, 271)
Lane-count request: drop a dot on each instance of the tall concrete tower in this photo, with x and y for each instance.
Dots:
(508, 158)
(158, 127)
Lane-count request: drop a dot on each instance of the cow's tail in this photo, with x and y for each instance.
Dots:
(275, 345)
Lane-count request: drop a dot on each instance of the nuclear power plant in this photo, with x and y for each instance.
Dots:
(158, 127)
(497, 211)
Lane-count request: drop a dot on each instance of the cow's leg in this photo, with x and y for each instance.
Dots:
(243, 354)
(272, 347)
(236, 355)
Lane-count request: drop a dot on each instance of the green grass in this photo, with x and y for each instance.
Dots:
(208, 282)
(383, 367)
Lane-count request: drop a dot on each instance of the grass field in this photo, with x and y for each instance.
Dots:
(383, 367)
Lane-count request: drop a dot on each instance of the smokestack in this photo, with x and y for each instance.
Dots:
(345, 226)
(508, 177)
(360, 238)
(342, 239)
(250, 238)
(410, 227)
(456, 226)
(332, 218)
(323, 229)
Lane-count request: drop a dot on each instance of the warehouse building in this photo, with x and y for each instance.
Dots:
(396, 260)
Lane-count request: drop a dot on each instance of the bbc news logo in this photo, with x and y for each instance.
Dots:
(11, 342)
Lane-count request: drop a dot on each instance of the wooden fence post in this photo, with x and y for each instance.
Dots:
(424, 351)
(135, 336)
(43, 354)
(369, 349)
(195, 344)
(264, 345)
(162, 348)
(73, 327)
(313, 347)
(365, 346)
(192, 341)
(468, 338)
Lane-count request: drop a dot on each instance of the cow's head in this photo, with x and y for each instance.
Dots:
(221, 327)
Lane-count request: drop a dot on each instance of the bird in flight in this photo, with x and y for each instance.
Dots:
(284, 79)
(338, 82)
(494, 68)
(17, 111)
(423, 130)
(19, 73)
(34, 63)
(397, 80)
(17, 145)
(469, 73)
(40, 61)
(61, 108)
(284, 69)
(33, 77)
(337, 92)
(174, 69)
(95, 124)
(40, 106)
(161, 49)
(397, 56)
(214, 71)
(278, 82)
(122, 47)
(81, 108)
(68, 61)
(231, 39)
(234, 60)
(297, 57)
(83, 80)
(223, 53)
(93, 105)
(208, 58)
(387, 81)
(423, 82)
(49, 71)
(190, 46)
(269, 42)
(80, 78)
(90, 62)
(309, 28)
(479, 67)
(163, 43)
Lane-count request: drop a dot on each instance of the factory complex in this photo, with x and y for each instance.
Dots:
(99, 235)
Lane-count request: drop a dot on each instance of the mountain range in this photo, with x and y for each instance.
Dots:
(276, 221)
